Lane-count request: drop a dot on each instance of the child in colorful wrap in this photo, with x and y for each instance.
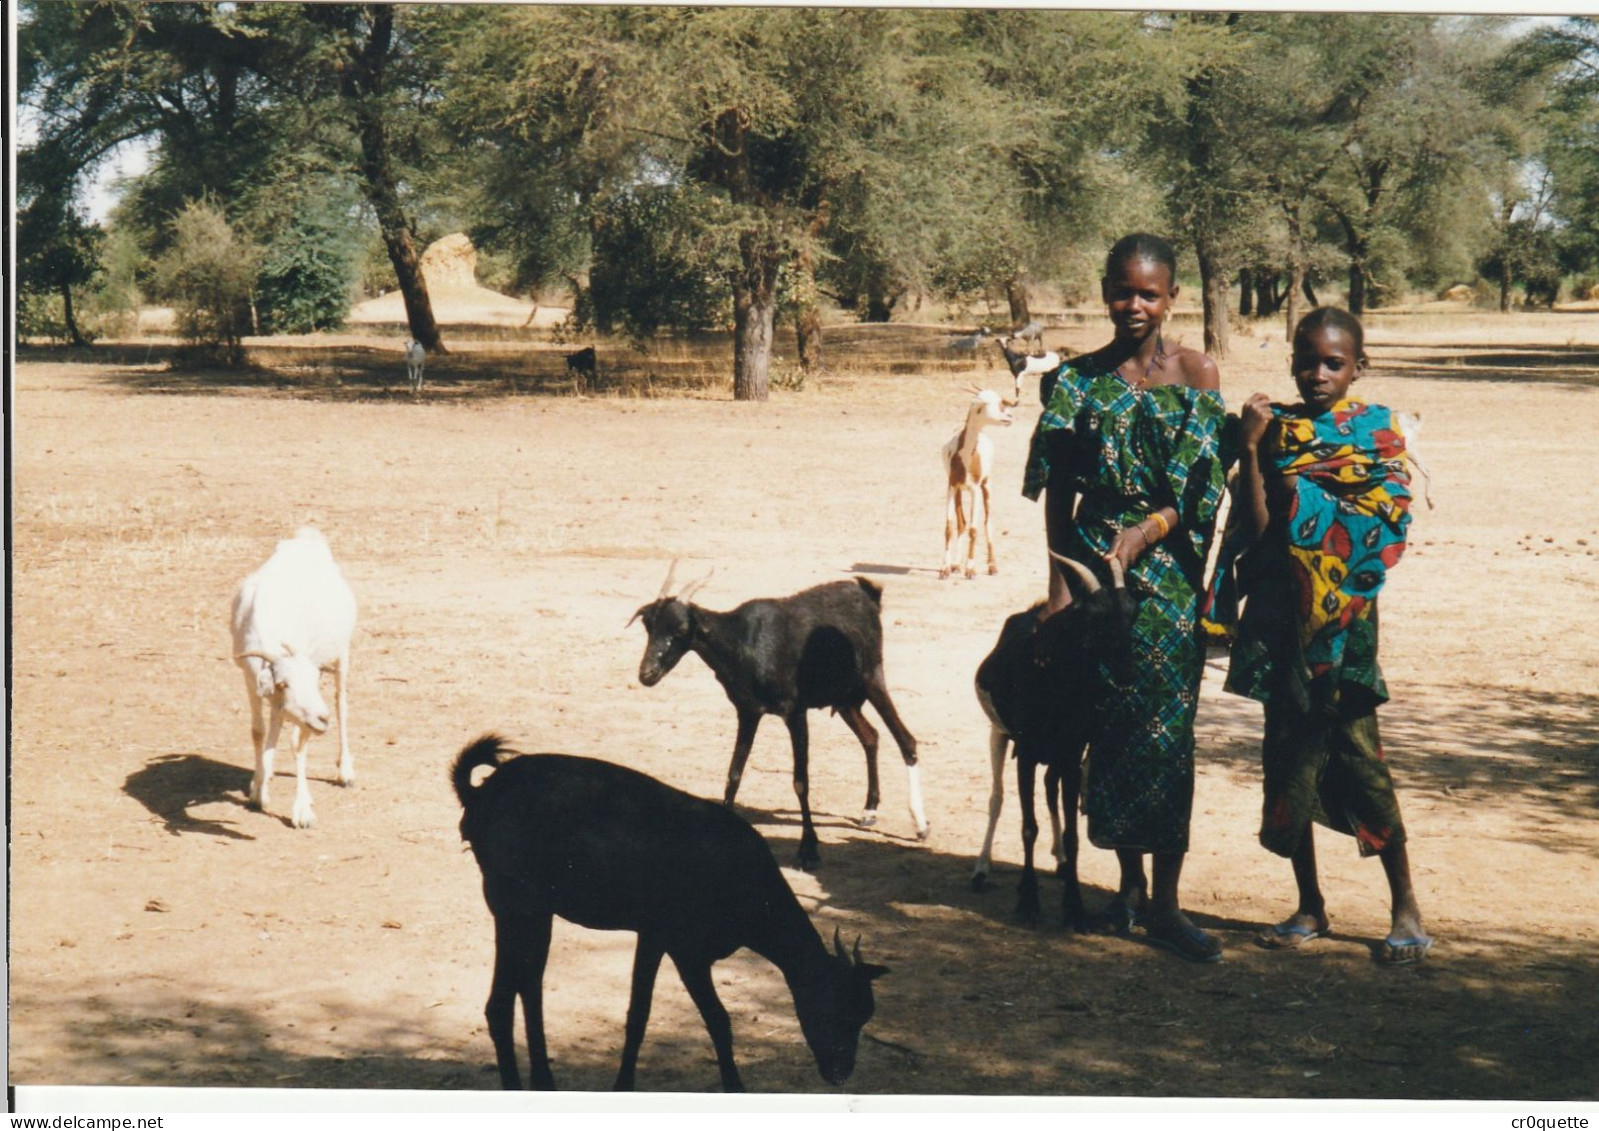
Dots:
(1321, 507)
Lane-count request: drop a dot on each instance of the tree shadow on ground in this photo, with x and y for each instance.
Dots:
(1468, 745)
(975, 1005)
(171, 784)
(1574, 367)
(492, 367)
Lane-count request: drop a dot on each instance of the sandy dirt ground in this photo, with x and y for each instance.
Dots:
(498, 541)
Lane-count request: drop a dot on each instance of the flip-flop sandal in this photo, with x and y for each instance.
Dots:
(1189, 942)
(1287, 936)
(1404, 952)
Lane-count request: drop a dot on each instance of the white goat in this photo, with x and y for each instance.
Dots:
(292, 620)
(968, 458)
(1027, 365)
(1410, 428)
(415, 357)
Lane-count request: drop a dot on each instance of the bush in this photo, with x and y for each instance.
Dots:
(207, 274)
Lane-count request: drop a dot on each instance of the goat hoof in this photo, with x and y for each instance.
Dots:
(868, 819)
(979, 881)
(992, 570)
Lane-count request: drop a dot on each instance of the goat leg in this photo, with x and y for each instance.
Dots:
(1027, 890)
(521, 949)
(346, 759)
(748, 721)
(646, 961)
(799, 734)
(998, 742)
(696, 975)
(877, 696)
(867, 734)
(1073, 914)
(988, 526)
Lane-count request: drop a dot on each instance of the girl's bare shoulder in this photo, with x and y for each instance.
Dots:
(1198, 369)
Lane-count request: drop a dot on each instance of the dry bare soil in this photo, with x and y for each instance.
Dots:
(500, 536)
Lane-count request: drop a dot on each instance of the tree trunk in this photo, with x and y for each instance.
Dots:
(1296, 281)
(1246, 292)
(363, 86)
(754, 317)
(808, 311)
(1213, 298)
(1357, 286)
(1504, 283)
(75, 334)
(1016, 295)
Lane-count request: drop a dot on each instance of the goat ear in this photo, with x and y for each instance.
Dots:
(870, 972)
(642, 609)
(254, 656)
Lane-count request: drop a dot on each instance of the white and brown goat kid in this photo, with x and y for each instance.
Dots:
(968, 459)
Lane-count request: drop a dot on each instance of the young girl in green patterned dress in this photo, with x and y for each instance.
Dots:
(1128, 451)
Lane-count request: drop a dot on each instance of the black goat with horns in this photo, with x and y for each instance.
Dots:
(1036, 687)
(821, 647)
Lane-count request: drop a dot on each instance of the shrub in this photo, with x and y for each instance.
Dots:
(208, 275)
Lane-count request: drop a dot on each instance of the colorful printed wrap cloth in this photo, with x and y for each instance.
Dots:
(1348, 508)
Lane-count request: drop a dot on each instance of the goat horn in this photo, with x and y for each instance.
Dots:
(694, 587)
(666, 586)
(838, 945)
(1118, 578)
(856, 954)
(287, 651)
(1084, 574)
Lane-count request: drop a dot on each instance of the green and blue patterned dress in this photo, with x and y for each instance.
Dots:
(1125, 452)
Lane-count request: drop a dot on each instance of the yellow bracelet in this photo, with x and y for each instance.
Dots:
(1165, 527)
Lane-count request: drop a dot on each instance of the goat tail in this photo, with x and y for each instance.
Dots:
(485, 751)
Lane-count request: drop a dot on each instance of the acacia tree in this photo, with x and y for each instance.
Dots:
(767, 122)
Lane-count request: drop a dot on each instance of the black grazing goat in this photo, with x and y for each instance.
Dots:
(615, 850)
(821, 647)
(583, 363)
(1036, 688)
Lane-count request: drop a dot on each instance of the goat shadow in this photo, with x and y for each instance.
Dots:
(881, 567)
(169, 785)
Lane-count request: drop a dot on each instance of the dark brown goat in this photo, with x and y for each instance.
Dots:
(822, 647)
(612, 849)
(1036, 688)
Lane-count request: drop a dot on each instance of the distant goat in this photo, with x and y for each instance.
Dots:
(614, 850)
(415, 358)
(1026, 365)
(1035, 687)
(821, 647)
(967, 343)
(292, 620)
(1033, 333)
(582, 363)
(968, 459)
(1410, 427)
